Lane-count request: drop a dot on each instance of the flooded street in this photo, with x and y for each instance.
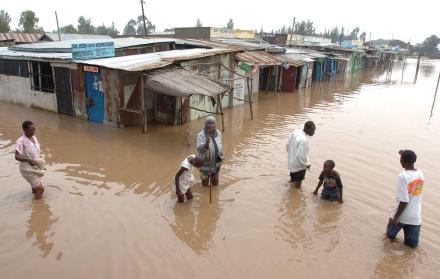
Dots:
(108, 209)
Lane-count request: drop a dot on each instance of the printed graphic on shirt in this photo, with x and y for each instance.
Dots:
(415, 188)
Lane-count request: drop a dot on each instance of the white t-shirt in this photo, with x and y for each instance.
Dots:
(297, 151)
(186, 179)
(410, 190)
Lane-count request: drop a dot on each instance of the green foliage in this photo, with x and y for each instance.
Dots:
(140, 26)
(68, 29)
(28, 22)
(230, 24)
(130, 27)
(5, 19)
(85, 26)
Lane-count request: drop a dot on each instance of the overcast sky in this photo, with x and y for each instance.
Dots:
(383, 18)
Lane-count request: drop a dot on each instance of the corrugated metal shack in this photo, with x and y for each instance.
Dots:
(121, 79)
(43, 75)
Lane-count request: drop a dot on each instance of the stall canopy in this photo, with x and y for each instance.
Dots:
(183, 83)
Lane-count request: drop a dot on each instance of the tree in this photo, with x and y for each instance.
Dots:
(354, 34)
(28, 22)
(101, 30)
(112, 31)
(5, 19)
(85, 26)
(334, 34)
(429, 45)
(68, 29)
(230, 24)
(130, 27)
(341, 35)
(199, 23)
(140, 26)
(363, 36)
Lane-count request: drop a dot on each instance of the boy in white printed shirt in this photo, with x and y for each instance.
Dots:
(406, 214)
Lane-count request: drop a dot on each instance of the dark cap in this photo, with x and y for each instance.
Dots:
(408, 156)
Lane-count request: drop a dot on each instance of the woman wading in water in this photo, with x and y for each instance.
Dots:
(27, 152)
(209, 146)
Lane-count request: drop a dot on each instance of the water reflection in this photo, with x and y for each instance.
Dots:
(398, 261)
(39, 225)
(195, 221)
(326, 222)
(291, 225)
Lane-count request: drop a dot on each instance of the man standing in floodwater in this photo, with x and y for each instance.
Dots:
(406, 214)
(297, 153)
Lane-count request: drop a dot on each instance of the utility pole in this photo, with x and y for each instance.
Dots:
(291, 35)
(143, 18)
(58, 26)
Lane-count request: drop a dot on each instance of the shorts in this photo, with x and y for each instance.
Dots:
(330, 194)
(297, 176)
(411, 233)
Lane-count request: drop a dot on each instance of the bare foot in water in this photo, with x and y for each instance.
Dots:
(39, 192)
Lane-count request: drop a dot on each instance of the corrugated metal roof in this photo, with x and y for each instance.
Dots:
(301, 57)
(20, 38)
(66, 46)
(183, 83)
(64, 36)
(215, 44)
(256, 45)
(149, 61)
(41, 56)
(290, 60)
(258, 57)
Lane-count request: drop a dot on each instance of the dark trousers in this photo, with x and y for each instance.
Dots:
(411, 233)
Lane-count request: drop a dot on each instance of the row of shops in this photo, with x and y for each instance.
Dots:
(162, 80)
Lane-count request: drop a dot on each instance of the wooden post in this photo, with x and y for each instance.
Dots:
(189, 121)
(280, 83)
(417, 69)
(276, 80)
(438, 80)
(54, 83)
(144, 106)
(268, 79)
(58, 26)
(403, 68)
(435, 96)
(221, 111)
(250, 97)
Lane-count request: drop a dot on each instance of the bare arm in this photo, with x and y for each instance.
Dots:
(400, 209)
(317, 187)
(24, 159)
(340, 186)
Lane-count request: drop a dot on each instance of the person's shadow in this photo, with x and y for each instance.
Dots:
(39, 224)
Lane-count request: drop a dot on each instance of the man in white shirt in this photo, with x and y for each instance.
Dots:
(297, 153)
(406, 214)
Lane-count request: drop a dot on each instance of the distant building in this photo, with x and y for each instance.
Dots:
(208, 33)
(353, 44)
(300, 40)
(276, 39)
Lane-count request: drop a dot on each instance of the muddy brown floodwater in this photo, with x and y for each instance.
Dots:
(108, 210)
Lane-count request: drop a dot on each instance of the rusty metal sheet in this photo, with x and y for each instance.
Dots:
(21, 38)
(183, 83)
(261, 58)
(290, 60)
